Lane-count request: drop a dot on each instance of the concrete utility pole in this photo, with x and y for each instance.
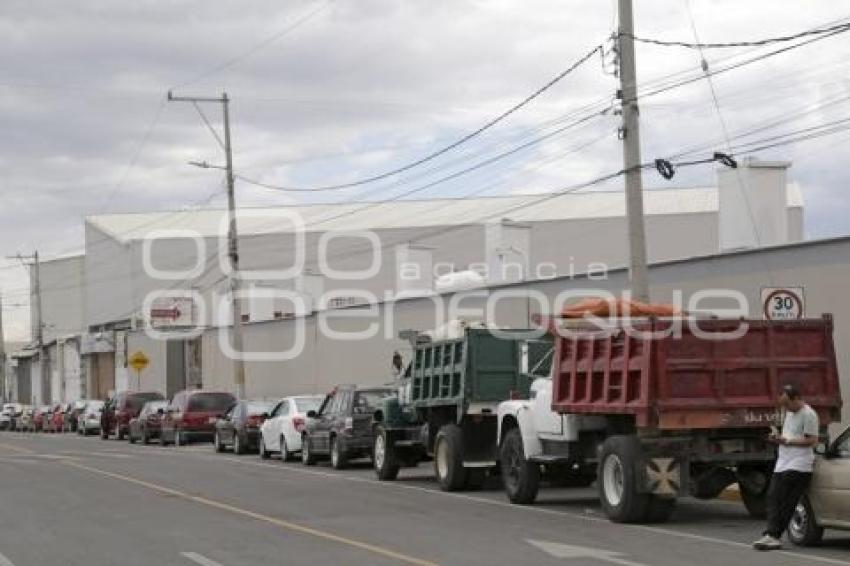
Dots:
(631, 154)
(38, 325)
(3, 393)
(232, 236)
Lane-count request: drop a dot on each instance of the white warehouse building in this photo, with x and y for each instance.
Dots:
(99, 303)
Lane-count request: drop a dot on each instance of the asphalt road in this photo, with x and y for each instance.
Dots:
(69, 500)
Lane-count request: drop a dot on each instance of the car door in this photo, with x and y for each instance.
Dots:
(344, 411)
(228, 423)
(830, 490)
(322, 426)
(271, 428)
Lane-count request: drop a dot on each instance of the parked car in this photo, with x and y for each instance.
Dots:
(39, 417)
(192, 414)
(9, 414)
(146, 424)
(239, 427)
(56, 423)
(89, 420)
(122, 407)
(24, 423)
(281, 432)
(827, 504)
(342, 427)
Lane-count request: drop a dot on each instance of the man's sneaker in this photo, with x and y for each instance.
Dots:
(767, 542)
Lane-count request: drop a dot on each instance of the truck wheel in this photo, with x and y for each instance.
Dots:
(659, 509)
(448, 458)
(753, 485)
(384, 456)
(618, 481)
(339, 461)
(803, 529)
(520, 477)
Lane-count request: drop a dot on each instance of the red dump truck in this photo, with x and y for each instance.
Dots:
(653, 409)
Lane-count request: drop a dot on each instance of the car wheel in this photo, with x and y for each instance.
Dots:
(120, 434)
(162, 438)
(339, 460)
(104, 434)
(130, 438)
(285, 454)
(178, 438)
(307, 457)
(264, 454)
(803, 529)
(217, 443)
(146, 439)
(238, 446)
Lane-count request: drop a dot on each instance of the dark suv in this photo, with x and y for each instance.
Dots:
(342, 427)
(121, 408)
(192, 414)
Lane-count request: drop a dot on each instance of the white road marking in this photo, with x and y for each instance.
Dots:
(199, 559)
(569, 551)
(5, 561)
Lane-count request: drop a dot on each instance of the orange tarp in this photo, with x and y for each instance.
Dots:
(617, 307)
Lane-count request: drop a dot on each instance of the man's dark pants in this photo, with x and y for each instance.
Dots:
(786, 489)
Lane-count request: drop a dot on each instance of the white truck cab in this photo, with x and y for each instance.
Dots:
(532, 436)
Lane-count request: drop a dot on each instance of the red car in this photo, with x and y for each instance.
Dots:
(56, 422)
(38, 417)
(192, 414)
(124, 406)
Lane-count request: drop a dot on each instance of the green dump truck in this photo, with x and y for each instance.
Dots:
(446, 404)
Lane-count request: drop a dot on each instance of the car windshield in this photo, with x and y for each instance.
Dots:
(259, 407)
(95, 405)
(304, 404)
(154, 406)
(367, 401)
(136, 401)
(210, 402)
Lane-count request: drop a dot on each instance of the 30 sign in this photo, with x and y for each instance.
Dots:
(783, 303)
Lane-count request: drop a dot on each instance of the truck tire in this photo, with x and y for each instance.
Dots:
(384, 456)
(520, 478)
(618, 481)
(753, 484)
(448, 458)
(803, 529)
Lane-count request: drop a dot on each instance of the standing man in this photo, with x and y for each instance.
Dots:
(794, 465)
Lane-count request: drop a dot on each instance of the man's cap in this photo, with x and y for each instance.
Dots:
(791, 391)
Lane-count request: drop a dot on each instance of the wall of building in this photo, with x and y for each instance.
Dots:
(62, 289)
(108, 265)
(822, 268)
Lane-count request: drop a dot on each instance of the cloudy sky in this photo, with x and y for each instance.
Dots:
(327, 91)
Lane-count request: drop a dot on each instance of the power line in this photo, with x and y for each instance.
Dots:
(259, 46)
(475, 133)
(830, 30)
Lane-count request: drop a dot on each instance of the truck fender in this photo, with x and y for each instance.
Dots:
(520, 414)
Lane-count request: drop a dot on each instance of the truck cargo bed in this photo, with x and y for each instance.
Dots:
(690, 381)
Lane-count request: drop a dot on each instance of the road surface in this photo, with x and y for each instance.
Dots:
(71, 500)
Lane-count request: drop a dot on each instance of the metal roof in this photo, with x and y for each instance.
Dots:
(416, 213)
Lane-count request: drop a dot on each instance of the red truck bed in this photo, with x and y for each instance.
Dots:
(690, 382)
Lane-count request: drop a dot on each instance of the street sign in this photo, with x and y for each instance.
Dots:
(783, 303)
(138, 361)
(177, 312)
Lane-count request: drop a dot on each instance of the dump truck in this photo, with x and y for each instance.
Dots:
(655, 409)
(446, 404)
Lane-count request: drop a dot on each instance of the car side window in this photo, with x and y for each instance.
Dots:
(345, 403)
(327, 405)
(284, 408)
(276, 411)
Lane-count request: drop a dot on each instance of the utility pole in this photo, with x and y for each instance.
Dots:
(3, 388)
(631, 154)
(232, 236)
(38, 325)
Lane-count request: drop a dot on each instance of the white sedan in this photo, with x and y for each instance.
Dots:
(281, 431)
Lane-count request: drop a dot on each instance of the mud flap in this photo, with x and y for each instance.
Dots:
(664, 477)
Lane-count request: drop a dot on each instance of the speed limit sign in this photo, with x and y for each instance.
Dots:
(783, 303)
